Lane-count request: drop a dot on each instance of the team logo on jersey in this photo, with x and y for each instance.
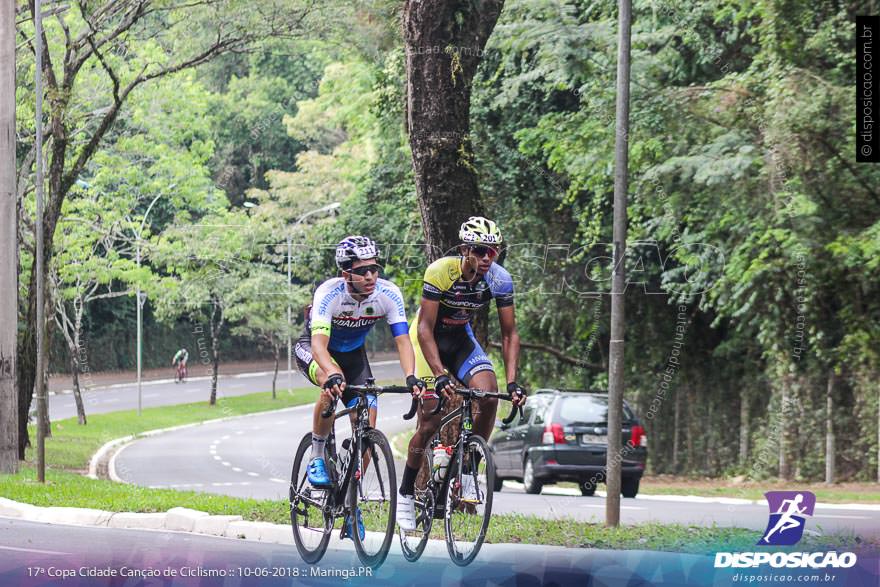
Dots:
(788, 511)
(369, 311)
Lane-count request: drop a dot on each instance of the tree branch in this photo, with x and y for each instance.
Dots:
(559, 354)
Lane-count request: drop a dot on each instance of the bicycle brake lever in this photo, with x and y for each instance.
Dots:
(412, 409)
(512, 414)
(439, 406)
(330, 409)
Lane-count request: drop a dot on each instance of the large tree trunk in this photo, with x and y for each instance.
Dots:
(830, 448)
(444, 42)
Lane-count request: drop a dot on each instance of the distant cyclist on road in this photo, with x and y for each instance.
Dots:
(180, 360)
(331, 352)
(454, 288)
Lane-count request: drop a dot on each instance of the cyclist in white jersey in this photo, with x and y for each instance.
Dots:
(331, 351)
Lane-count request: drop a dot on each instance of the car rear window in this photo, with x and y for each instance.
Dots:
(587, 409)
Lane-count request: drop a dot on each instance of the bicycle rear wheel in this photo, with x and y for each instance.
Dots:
(469, 501)
(374, 493)
(310, 514)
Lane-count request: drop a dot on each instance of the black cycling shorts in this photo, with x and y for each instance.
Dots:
(354, 366)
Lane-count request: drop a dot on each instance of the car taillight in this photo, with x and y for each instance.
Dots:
(638, 436)
(553, 434)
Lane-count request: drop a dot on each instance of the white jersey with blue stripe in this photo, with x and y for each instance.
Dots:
(347, 320)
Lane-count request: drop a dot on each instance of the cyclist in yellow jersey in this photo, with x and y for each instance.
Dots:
(445, 347)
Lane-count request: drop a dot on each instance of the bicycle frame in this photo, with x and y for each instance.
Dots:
(465, 432)
(360, 429)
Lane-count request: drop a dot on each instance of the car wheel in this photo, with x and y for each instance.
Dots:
(531, 484)
(629, 486)
(499, 483)
(587, 488)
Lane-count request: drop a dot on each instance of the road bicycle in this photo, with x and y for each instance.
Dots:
(464, 510)
(364, 485)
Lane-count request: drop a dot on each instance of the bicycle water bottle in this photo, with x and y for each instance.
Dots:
(440, 462)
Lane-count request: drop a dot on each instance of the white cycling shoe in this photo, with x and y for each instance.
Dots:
(406, 512)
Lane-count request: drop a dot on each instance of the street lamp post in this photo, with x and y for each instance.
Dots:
(140, 299)
(327, 208)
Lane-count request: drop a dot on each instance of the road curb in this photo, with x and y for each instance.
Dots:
(174, 520)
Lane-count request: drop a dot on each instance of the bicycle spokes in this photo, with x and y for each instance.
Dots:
(374, 495)
(469, 501)
(309, 508)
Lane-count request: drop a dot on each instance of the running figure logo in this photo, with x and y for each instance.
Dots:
(788, 510)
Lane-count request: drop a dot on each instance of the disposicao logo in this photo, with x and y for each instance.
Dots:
(788, 511)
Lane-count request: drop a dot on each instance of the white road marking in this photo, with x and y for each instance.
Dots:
(276, 480)
(841, 517)
(226, 464)
(34, 550)
(252, 474)
(212, 451)
(227, 437)
(217, 458)
(237, 469)
(239, 432)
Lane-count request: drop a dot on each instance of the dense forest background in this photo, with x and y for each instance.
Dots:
(753, 310)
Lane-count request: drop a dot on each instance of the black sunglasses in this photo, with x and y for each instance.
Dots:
(481, 251)
(363, 270)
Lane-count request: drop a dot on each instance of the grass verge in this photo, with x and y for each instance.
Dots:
(842, 493)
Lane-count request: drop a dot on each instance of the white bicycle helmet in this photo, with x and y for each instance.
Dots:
(352, 248)
(480, 230)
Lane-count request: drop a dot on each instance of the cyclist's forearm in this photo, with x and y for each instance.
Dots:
(429, 349)
(510, 352)
(405, 352)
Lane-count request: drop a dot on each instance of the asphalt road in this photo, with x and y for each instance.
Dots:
(123, 396)
(252, 457)
(34, 554)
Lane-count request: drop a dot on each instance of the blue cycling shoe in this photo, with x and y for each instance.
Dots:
(346, 525)
(317, 473)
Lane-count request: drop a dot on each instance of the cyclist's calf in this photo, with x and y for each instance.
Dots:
(427, 428)
(484, 411)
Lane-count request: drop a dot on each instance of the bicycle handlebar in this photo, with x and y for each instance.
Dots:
(472, 393)
(372, 389)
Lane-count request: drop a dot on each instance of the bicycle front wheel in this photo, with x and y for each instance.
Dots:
(309, 508)
(373, 494)
(469, 500)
